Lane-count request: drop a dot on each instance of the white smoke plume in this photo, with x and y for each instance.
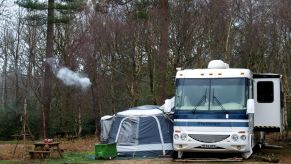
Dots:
(71, 78)
(90, 6)
(68, 76)
(54, 64)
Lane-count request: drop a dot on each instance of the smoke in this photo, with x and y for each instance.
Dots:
(54, 64)
(90, 6)
(68, 76)
(71, 78)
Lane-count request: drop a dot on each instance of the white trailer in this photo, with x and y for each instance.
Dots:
(219, 109)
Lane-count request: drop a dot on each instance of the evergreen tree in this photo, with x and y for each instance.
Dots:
(50, 12)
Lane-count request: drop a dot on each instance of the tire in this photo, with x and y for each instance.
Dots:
(175, 155)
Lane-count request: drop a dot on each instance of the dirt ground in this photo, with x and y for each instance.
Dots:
(75, 145)
(274, 139)
(87, 144)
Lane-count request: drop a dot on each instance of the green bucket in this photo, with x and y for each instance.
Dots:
(105, 151)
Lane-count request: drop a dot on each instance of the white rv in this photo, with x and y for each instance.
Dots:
(219, 109)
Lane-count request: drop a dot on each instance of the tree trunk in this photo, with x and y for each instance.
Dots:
(16, 69)
(226, 50)
(151, 77)
(4, 82)
(79, 121)
(47, 74)
(94, 107)
(112, 88)
(163, 56)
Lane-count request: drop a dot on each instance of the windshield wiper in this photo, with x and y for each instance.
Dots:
(219, 103)
(178, 101)
(202, 99)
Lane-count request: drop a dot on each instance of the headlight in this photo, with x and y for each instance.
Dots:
(176, 136)
(243, 137)
(184, 136)
(234, 137)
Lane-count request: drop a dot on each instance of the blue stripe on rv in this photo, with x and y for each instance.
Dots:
(209, 115)
(212, 124)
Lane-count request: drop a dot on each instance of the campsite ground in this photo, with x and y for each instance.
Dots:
(82, 151)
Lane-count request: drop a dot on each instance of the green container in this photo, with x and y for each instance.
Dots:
(105, 151)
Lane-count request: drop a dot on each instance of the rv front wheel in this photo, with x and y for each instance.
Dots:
(180, 154)
(177, 155)
(247, 155)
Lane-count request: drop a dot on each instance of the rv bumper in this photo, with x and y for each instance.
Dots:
(233, 143)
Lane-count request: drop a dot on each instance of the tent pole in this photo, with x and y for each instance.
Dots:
(161, 134)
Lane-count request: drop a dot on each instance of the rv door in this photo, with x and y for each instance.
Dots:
(267, 97)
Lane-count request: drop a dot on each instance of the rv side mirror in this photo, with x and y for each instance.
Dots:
(168, 107)
(250, 106)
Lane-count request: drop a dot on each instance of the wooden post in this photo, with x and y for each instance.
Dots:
(24, 130)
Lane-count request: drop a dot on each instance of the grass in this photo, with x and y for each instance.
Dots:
(84, 157)
(73, 157)
(69, 158)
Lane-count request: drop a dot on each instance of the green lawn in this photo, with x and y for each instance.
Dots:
(70, 157)
(74, 157)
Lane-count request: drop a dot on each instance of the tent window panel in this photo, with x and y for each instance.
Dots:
(167, 129)
(149, 131)
(265, 91)
(128, 132)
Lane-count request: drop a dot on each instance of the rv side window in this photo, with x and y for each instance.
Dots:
(265, 91)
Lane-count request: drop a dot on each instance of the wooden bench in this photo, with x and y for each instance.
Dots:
(39, 154)
(57, 152)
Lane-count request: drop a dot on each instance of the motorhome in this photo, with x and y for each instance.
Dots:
(221, 109)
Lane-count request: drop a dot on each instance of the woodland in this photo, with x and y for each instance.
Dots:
(126, 52)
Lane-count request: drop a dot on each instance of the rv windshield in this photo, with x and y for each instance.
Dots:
(211, 94)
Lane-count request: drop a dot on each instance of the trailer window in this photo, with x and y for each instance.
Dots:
(265, 91)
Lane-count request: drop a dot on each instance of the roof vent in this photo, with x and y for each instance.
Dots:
(217, 64)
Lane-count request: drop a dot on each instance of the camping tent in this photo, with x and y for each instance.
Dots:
(142, 131)
(106, 123)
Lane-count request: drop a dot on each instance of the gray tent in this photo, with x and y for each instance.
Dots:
(106, 123)
(142, 131)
